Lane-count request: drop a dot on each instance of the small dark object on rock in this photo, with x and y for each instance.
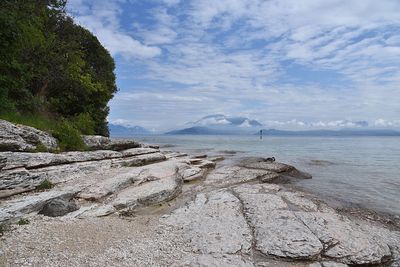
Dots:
(58, 207)
(272, 159)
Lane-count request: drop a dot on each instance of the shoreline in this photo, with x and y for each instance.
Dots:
(145, 206)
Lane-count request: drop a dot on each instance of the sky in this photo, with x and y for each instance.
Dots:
(289, 64)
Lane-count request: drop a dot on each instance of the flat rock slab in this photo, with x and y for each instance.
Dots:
(345, 240)
(120, 178)
(65, 167)
(97, 142)
(38, 160)
(212, 223)
(12, 210)
(153, 184)
(233, 174)
(277, 167)
(277, 230)
(291, 225)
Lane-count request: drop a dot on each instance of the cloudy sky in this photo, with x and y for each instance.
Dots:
(287, 63)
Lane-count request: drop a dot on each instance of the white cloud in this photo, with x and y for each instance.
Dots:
(231, 56)
(102, 18)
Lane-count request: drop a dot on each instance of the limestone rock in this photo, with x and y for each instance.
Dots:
(277, 167)
(344, 240)
(158, 183)
(191, 173)
(58, 207)
(12, 210)
(24, 171)
(220, 260)
(38, 160)
(277, 230)
(206, 164)
(18, 178)
(120, 178)
(97, 142)
(16, 137)
(212, 223)
(139, 160)
(233, 174)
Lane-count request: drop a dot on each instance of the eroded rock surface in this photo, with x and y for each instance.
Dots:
(22, 171)
(230, 216)
(97, 142)
(290, 225)
(16, 137)
(212, 223)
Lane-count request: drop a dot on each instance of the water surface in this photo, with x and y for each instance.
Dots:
(359, 171)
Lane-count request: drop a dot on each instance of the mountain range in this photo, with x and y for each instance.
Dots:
(219, 124)
(127, 131)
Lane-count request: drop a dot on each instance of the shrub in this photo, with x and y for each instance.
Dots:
(3, 229)
(45, 184)
(41, 148)
(23, 221)
(84, 123)
(69, 137)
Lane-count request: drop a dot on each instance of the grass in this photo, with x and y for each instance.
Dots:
(67, 132)
(23, 221)
(45, 184)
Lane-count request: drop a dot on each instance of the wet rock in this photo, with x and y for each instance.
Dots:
(200, 156)
(206, 164)
(277, 167)
(212, 223)
(233, 174)
(299, 200)
(97, 142)
(16, 137)
(58, 207)
(217, 159)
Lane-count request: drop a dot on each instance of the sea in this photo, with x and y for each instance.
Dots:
(362, 172)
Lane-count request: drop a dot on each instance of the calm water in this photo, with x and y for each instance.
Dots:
(362, 171)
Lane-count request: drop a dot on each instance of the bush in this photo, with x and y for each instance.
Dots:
(23, 221)
(69, 137)
(45, 184)
(84, 124)
(67, 131)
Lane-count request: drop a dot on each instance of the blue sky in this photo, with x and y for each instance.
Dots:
(289, 64)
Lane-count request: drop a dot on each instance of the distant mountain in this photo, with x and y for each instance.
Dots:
(222, 120)
(343, 132)
(127, 131)
(198, 130)
(220, 124)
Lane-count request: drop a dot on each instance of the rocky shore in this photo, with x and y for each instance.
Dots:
(128, 204)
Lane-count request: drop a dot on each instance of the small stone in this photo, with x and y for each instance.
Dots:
(58, 207)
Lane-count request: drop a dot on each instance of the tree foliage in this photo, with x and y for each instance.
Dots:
(53, 67)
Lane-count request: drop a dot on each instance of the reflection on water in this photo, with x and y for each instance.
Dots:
(363, 171)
